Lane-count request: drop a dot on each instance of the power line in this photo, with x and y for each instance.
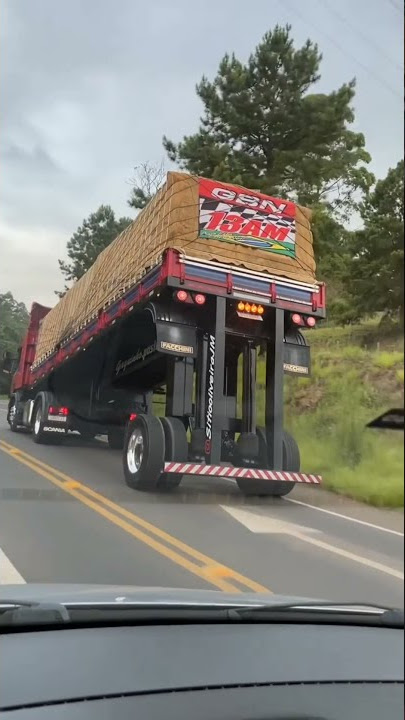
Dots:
(359, 32)
(345, 52)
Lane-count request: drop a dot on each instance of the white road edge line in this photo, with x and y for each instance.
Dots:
(338, 515)
(9, 575)
(345, 517)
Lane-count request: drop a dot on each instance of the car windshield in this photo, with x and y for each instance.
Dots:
(201, 303)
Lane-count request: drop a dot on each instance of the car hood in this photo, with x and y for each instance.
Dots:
(66, 593)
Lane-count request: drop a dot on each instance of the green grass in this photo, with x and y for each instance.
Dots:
(352, 381)
(389, 360)
(371, 334)
(376, 477)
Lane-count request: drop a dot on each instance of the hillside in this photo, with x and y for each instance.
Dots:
(357, 373)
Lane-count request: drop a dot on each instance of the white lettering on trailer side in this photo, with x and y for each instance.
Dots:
(210, 394)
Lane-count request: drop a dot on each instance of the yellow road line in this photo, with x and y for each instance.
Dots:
(205, 567)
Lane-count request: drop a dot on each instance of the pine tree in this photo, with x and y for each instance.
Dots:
(95, 234)
(265, 127)
(376, 277)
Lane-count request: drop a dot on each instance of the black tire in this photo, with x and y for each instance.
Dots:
(176, 450)
(12, 416)
(291, 461)
(116, 438)
(248, 449)
(144, 453)
(39, 435)
(291, 453)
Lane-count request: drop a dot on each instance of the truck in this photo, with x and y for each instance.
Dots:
(178, 309)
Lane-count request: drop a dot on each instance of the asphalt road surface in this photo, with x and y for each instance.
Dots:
(66, 515)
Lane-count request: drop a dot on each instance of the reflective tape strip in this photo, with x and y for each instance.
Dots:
(238, 472)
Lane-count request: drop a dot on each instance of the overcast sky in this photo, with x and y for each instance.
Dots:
(88, 88)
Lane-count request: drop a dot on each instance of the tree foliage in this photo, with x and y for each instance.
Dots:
(262, 127)
(332, 243)
(13, 324)
(95, 234)
(376, 272)
(147, 180)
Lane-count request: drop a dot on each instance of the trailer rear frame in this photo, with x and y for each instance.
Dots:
(209, 374)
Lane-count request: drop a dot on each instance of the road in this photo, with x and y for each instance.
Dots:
(67, 516)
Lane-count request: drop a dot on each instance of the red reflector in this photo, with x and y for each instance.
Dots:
(56, 410)
(311, 322)
(132, 416)
(297, 319)
(199, 299)
(181, 295)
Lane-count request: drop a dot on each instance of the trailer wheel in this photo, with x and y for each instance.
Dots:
(12, 416)
(116, 438)
(176, 450)
(291, 461)
(39, 435)
(144, 453)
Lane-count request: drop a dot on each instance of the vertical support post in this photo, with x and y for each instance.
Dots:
(249, 388)
(274, 390)
(215, 405)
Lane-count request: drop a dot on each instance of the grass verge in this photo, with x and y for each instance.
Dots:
(357, 373)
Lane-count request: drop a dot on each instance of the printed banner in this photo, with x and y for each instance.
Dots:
(230, 214)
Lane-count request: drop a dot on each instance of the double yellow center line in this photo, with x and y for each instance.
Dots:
(166, 545)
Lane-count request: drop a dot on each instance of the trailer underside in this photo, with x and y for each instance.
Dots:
(190, 334)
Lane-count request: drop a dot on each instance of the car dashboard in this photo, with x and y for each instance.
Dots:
(216, 671)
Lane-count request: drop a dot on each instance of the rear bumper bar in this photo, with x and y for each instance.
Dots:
(229, 471)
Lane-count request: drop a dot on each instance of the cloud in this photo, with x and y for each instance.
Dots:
(89, 88)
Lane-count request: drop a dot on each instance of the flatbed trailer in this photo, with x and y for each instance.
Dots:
(189, 330)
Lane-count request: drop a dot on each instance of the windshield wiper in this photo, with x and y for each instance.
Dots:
(104, 613)
(326, 612)
(21, 612)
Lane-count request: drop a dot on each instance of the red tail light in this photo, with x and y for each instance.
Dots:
(297, 319)
(311, 321)
(181, 295)
(199, 299)
(132, 417)
(58, 410)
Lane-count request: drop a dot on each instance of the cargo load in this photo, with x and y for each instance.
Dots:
(200, 218)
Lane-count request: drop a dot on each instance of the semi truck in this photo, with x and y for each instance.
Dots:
(178, 309)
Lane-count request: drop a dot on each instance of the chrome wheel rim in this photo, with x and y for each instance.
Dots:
(37, 423)
(135, 451)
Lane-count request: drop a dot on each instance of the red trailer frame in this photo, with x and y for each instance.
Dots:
(175, 270)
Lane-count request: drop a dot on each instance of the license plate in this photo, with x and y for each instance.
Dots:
(57, 418)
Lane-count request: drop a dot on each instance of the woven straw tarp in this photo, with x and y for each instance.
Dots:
(170, 220)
